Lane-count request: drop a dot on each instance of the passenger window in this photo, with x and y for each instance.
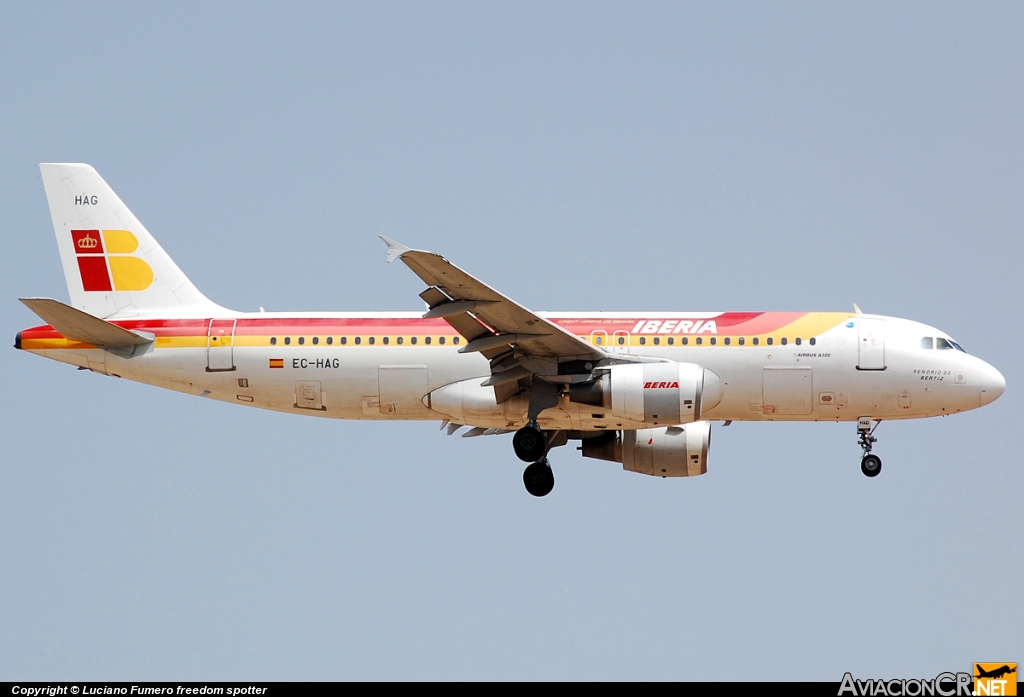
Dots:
(685, 341)
(643, 341)
(316, 340)
(813, 341)
(287, 340)
(330, 340)
(770, 341)
(373, 340)
(359, 340)
(727, 341)
(943, 345)
(622, 340)
(440, 339)
(455, 340)
(302, 340)
(598, 340)
(699, 341)
(387, 341)
(398, 340)
(273, 341)
(756, 341)
(797, 341)
(671, 341)
(742, 341)
(426, 340)
(344, 340)
(927, 343)
(412, 340)
(785, 341)
(657, 341)
(714, 341)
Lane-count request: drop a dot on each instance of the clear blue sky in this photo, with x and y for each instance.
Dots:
(578, 156)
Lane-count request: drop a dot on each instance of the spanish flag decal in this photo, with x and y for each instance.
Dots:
(276, 362)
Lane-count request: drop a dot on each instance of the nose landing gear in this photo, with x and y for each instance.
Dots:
(870, 465)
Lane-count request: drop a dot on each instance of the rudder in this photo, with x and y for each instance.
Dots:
(112, 265)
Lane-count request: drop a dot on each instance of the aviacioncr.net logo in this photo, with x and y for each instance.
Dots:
(943, 685)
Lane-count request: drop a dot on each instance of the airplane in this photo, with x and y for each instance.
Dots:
(637, 388)
(995, 673)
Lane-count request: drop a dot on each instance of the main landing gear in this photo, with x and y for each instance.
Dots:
(870, 464)
(531, 445)
(538, 478)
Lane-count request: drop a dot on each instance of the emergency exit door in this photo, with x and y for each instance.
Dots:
(220, 349)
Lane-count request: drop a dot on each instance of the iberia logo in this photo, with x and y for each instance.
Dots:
(995, 678)
(104, 263)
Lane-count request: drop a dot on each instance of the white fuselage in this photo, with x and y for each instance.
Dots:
(395, 382)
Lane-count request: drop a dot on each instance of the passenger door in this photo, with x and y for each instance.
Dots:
(871, 344)
(220, 339)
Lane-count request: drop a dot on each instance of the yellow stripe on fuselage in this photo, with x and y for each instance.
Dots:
(810, 325)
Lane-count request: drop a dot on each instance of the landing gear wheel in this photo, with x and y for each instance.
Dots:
(539, 479)
(529, 443)
(871, 465)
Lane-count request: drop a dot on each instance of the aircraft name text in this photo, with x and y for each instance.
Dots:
(936, 375)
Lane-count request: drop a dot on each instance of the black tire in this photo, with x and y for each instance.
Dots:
(871, 465)
(539, 479)
(529, 443)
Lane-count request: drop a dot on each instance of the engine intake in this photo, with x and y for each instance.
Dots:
(654, 393)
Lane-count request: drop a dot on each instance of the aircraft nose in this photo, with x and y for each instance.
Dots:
(992, 385)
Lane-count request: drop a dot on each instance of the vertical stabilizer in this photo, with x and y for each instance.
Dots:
(112, 265)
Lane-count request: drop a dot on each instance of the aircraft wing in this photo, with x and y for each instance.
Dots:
(490, 322)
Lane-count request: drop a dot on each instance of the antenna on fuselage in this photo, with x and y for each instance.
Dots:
(857, 309)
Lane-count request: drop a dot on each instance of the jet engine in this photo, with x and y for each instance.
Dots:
(655, 393)
(675, 451)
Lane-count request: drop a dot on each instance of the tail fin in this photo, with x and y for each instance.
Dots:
(112, 265)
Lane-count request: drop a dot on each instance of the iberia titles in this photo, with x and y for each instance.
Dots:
(672, 326)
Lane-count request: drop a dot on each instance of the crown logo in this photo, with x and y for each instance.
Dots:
(88, 242)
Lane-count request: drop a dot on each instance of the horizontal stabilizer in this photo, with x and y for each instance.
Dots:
(80, 326)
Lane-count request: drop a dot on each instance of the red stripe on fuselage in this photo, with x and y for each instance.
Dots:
(729, 323)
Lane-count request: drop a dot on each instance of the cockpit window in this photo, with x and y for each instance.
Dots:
(957, 346)
(942, 344)
(927, 343)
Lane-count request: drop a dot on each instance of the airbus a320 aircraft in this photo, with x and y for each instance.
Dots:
(638, 388)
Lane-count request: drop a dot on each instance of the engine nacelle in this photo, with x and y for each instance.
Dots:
(468, 402)
(654, 393)
(676, 451)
